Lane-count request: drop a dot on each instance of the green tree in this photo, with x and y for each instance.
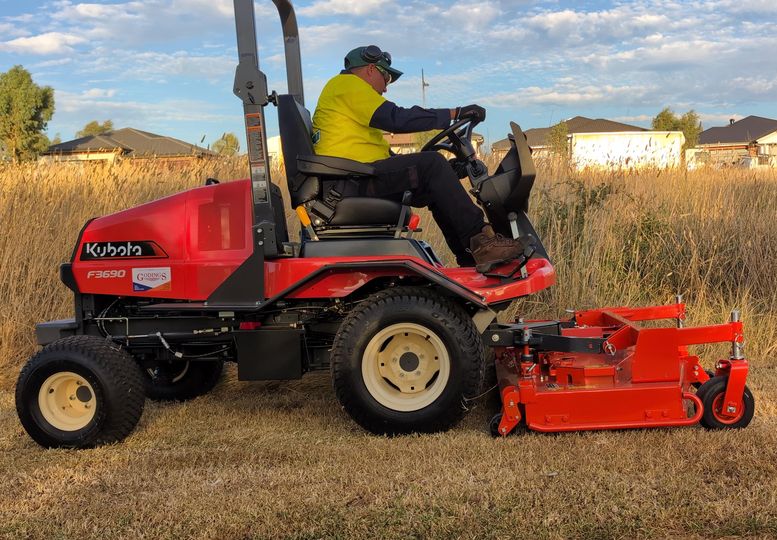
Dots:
(689, 123)
(95, 128)
(25, 109)
(57, 139)
(558, 140)
(227, 145)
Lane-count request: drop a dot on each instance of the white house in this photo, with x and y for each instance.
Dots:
(628, 149)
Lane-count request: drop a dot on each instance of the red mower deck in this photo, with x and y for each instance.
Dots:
(601, 370)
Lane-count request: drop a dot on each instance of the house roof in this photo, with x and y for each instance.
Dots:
(130, 142)
(743, 131)
(537, 137)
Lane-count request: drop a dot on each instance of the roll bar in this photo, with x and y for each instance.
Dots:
(245, 27)
(291, 47)
(251, 87)
(245, 286)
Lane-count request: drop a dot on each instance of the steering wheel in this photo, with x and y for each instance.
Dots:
(459, 135)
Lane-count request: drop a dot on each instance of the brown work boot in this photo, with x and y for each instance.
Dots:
(490, 249)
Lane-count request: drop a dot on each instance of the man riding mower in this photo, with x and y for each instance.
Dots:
(167, 292)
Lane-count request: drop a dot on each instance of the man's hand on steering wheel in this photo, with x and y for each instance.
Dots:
(476, 112)
(459, 133)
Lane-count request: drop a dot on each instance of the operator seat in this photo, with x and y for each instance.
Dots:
(306, 173)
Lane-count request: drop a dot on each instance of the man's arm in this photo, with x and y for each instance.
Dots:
(394, 119)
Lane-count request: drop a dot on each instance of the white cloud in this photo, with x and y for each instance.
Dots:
(48, 43)
(718, 119)
(747, 6)
(316, 36)
(137, 113)
(151, 22)
(665, 53)
(633, 118)
(357, 8)
(567, 95)
(10, 29)
(222, 8)
(53, 63)
(168, 66)
(175, 67)
(471, 16)
(99, 93)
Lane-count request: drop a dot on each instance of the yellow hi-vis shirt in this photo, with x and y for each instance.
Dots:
(341, 123)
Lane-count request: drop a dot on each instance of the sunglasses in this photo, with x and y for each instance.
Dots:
(386, 74)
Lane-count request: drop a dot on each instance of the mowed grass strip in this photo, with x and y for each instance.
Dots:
(281, 460)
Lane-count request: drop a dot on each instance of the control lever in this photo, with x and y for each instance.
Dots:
(512, 217)
(407, 196)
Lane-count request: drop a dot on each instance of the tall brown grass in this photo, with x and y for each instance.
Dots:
(281, 460)
(615, 238)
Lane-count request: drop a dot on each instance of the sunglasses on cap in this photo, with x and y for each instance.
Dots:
(372, 54)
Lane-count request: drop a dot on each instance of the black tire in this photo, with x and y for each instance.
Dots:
(452, 345)
(489, 386)
(181, 381)
(711, 395)
(709, 373)
(493, 425)
(61, 385)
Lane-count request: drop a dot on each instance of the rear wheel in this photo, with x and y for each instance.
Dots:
(716, 415)
(78, 392)
(180, 381)
(404, 360)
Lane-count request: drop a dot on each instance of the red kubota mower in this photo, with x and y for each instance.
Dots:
(165, 293)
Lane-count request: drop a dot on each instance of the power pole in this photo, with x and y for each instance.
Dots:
(424, 84)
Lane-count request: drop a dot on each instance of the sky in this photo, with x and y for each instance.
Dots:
(167, 66)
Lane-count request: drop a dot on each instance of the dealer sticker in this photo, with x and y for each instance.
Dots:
(151, 279)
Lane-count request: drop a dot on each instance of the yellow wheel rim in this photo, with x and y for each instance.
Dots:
(406, 367)
(67, 401)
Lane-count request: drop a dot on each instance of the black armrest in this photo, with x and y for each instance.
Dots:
(332, 166)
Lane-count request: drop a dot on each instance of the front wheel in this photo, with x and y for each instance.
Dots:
(79, 392)
(404, 360)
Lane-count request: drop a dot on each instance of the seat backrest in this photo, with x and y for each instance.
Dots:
(296, 129)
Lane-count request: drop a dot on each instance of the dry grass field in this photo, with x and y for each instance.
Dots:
(281, 460)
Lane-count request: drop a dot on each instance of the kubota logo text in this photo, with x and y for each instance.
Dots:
(120, 250)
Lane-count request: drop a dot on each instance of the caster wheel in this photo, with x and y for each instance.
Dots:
(493, 425)
(711, 394)
(709, 373)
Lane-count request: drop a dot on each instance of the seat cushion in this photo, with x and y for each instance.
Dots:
(367, 211)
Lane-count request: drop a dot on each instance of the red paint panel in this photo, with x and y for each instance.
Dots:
(541, 275)
(205, 232)
(283, 273)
